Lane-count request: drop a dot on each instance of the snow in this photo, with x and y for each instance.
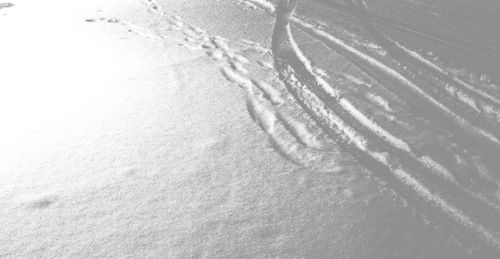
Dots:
(160, 129)
(117, 142)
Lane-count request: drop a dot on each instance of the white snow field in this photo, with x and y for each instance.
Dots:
(183, 129)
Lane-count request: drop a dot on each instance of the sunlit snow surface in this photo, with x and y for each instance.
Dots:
(167, 129)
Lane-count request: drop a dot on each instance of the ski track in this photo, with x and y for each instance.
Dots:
(367, 122)
(373, 128)
(412, 92)
(454, 80)
(415, 91)
(431, 74)
(420, 179)
(356, 144)
(319, 100)
(482, 54)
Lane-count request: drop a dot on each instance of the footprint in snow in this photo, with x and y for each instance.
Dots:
(41, 202)
(6, 5)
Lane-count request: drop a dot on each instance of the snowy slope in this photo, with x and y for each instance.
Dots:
(163, 129)
(118, 143)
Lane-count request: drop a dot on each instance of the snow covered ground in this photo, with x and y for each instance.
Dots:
(174, 129)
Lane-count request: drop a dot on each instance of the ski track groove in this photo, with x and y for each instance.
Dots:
(411, 91)
(373, 132)
(429, 73)
(356, 145)
(294, 69)
(375, 128)
(473, 51)
(392, 79)
(361, 136)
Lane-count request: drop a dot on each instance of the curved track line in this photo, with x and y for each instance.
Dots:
(475, 51)
(430, 70)
(394, 80)
(429, 107)
(381, 138)
(285, 54)
(413, 57)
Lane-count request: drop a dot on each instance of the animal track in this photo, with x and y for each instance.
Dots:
(42, 202)
(6, 5)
